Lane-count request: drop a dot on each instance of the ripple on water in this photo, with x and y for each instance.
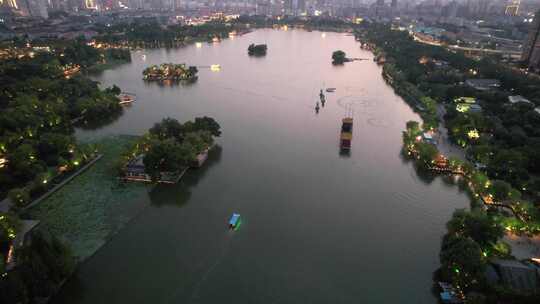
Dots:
(379, 122)
(355, 90)
(357, 103)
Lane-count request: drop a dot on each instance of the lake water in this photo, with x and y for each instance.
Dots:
(318, 227)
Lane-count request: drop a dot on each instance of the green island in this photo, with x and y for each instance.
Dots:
(257, 49)
(170, 71)
(494, 156)
(339, 57)
(168, 149)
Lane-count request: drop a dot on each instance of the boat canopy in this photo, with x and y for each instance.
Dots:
(346, 136)
(234, 219)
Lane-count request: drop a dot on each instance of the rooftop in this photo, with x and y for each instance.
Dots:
(482, 84)
(465, 100)
(518, 98)
(516, 274)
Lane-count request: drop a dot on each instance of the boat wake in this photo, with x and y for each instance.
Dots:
(204, 277)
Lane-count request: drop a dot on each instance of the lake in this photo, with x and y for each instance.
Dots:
(318, 227)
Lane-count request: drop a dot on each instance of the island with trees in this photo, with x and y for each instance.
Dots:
(170, 71)
(257, 49)
(339, 57)
(169, 149)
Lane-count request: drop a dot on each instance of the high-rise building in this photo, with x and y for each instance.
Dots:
(512, 9)
(38, 8)
(394, 4)
(10, 3)
(301, 8)
(531, 49)
(380, 2)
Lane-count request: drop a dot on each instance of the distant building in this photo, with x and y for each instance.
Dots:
(531, 48)
(394, 4)
(475, 108)
(518, 99)
(428, 137)
(38, 8)
(516, 274)
(24, 237)
(483, 84)
(135, 171)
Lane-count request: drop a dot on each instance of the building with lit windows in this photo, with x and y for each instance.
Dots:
(531, 48)
(512, 9)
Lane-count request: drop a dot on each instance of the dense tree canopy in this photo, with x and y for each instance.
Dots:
(38, 108)
(339, 57)
(171, 145)
(477, 225)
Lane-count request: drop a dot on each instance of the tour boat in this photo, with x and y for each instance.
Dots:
(126, 98)
(345, 139)
(234, 221)
(330, 90)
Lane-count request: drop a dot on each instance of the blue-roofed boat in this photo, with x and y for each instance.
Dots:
(234, 221)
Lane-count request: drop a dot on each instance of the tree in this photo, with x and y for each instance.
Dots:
(462, 260)
(426, 152)
(114, 90)
(52, 146)
(204, 124)
(480, 182)
(500, 190)
(168, 128)
(164, 156)
(9, 227)
(477, 225)
(413, 127)
(338, 57)
(19, 196)
(199, 140)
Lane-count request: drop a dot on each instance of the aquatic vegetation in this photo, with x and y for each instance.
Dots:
(95, 205)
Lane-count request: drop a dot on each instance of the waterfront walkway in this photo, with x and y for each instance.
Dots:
(7, 204)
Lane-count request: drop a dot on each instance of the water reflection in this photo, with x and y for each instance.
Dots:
(171, 83)
(427, 176)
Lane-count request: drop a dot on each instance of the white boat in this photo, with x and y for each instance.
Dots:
(126, 98)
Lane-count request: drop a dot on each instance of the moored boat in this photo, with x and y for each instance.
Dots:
(330, 90)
